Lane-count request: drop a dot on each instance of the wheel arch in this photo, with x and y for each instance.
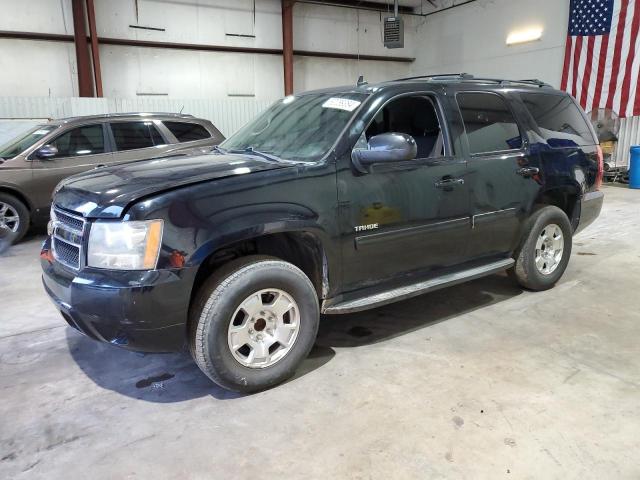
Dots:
(303, 247)
(18, 194)
(566, 198)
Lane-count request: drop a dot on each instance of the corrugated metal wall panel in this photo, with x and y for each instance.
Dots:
(226, 114)
(629, 136)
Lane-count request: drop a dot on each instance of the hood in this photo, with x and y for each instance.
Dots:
(105, 192)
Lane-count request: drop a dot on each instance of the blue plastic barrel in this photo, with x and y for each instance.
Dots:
(634, 168)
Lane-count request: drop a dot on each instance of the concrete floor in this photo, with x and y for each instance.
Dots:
(482, 380)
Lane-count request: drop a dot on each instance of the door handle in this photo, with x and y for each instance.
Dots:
(449, 182)
(528, 171)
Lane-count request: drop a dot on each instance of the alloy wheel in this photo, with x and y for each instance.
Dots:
(264, 328)
(549, 249)
(9, 217)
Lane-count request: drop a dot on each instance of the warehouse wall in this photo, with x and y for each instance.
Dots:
(228, 114)
(33, 68)
(472, 39)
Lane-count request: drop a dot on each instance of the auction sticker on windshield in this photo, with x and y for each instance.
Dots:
(341, 104)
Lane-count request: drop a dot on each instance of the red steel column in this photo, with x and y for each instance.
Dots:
(95, 52)
(85, 84)
(287, 45)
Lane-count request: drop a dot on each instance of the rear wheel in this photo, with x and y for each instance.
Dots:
(253, 322)
(544, 254)
(14, 217)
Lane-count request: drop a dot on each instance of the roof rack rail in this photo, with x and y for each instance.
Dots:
(464, 76)
(504, 81)
(141, 115)
(471, 78)
(534, 81)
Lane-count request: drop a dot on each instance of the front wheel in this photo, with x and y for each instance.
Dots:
(544, 254)
(253, 322)
(14, 217)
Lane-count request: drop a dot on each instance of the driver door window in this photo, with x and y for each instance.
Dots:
(415, 116)
(87, 140)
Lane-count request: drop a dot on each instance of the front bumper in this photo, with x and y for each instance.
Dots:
(142, 311)
(590, 207)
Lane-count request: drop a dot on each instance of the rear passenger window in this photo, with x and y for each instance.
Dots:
(134, 135)
(559, 120)
(187, 132)
(489, 123)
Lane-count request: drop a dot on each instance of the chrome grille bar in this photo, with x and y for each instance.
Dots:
(67, 238)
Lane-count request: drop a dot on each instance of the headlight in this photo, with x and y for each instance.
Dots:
(52, 218)
(125, 245)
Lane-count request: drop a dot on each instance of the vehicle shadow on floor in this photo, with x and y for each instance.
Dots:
(158, 377)
(167, 378)
(384, 323)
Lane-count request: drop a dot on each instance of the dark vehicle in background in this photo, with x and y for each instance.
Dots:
(331, 201)
(32, 164)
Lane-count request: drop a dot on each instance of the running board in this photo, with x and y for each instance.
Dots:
(410, 291)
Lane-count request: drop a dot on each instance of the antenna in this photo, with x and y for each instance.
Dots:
(181, 109)
(361, 81)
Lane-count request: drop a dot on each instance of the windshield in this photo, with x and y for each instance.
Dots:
(300, 128)
(19, 144)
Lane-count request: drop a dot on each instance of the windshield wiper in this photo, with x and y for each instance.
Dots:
(219, 149)
(253, 151)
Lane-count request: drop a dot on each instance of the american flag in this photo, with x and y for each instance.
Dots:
(602, 55)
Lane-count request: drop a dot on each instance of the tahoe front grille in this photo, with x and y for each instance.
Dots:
(67, 238)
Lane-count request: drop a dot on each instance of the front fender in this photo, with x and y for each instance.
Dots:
(209, 216)
(191, 236)
(252, 221)
(195, 239)
(16, 191)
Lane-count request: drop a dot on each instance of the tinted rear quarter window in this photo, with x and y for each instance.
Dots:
(134, 135)
(559, 120)
(187, 132)
(488, 122)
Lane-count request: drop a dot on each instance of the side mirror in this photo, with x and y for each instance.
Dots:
(48, 151)
(385, 148)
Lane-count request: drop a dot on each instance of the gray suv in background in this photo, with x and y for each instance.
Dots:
(32, 164)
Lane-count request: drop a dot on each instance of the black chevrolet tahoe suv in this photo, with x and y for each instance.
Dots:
(331, 201)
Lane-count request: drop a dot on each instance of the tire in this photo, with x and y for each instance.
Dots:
(10, 207)
(222, 303)
(544, 273)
